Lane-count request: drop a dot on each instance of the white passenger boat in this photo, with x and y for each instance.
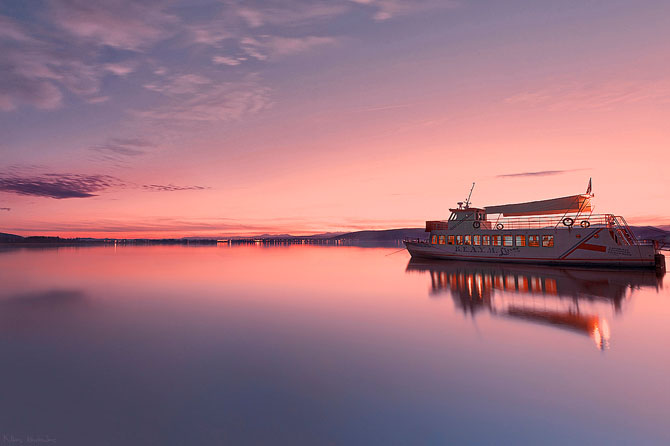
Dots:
(561, 231)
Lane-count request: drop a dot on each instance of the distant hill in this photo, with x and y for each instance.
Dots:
(9, 237)
(660, 233)
(382, 235)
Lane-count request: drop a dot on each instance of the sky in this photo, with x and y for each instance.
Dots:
(163, 118)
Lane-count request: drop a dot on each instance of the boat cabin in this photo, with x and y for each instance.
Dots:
(458, 217)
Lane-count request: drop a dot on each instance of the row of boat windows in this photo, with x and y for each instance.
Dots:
(546, 241)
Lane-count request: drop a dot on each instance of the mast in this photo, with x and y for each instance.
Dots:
(467, 202)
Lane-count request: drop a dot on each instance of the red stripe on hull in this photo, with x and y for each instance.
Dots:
(590, 247)
(636, 262)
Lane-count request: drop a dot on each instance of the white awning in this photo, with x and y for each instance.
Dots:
(571, 204)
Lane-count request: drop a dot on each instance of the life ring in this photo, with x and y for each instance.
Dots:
(476, 224)
(499, 226)
(567, 221)
(585, 224)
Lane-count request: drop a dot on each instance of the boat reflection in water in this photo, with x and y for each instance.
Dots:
(570, 298)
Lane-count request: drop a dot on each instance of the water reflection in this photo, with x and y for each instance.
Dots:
(540, 294)
(41, 312)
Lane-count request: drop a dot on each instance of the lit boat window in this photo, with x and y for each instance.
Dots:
(548, 241)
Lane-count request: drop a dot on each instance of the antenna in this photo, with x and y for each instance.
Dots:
(467, 202)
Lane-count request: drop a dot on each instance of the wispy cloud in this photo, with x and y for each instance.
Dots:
(540, 173)
(266, 47)
(119, 149)
(58, 186)
(387, 9)
(171, 187)
(69, 48)
(193, 98)
(225, 60)
(574, 95)
(5, 209)
(38, 65)
(269, 47)
(10, 30)
(124, 24)
(286, 13)
(120, 69)
(27, 78)
(182, 84)
(263, 31)
(212, 33)
(382, 108)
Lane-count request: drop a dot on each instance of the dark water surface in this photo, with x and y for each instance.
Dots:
(326, 345)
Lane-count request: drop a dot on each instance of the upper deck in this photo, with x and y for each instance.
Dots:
(468, 220)
(555, 214)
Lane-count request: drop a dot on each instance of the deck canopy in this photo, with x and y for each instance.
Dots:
(563, 205)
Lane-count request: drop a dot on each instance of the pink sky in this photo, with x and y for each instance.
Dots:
(155, 120)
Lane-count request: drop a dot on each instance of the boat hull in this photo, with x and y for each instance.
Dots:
(639, 258)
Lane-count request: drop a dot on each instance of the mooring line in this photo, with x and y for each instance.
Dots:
(394, 252)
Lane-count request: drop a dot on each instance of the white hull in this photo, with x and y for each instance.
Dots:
(579, 246)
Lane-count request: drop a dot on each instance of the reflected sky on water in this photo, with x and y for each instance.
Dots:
(326, 345)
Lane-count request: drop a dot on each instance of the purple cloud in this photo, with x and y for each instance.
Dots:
(171, 187)
(58, 186)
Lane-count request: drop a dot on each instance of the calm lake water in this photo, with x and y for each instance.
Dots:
(326, 345)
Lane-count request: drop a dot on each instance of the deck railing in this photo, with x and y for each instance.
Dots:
(614, 223)
(557, 222)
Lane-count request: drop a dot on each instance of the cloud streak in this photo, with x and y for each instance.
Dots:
(541, 173)
(171, 187)
(61, 186)
(574, 95)
(117, 148)
(58, 186)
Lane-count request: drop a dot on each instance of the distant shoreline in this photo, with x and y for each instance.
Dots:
(365, 236)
